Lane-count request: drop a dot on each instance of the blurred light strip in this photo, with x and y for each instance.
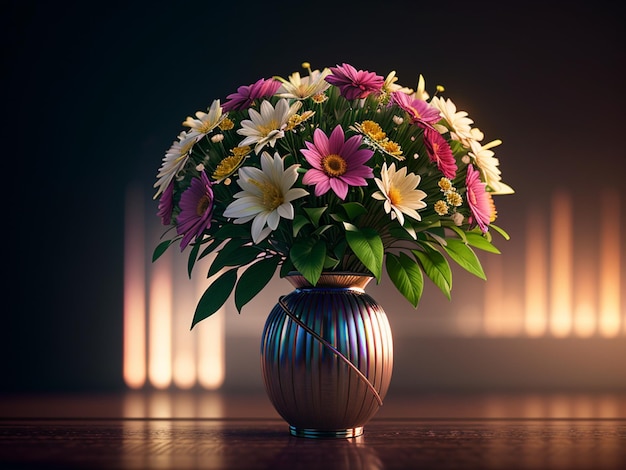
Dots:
(495, 315)
(184, 372)
(561, 265)
(535, 318)
(134, 355)
(609, 286)
(585, 293)
(160, 324)
(159, 348)
(211, 335)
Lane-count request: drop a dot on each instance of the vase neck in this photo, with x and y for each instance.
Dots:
(331, 280)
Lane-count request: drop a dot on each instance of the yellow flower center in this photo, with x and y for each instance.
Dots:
(272, 196)
(454, 198)
(241, 151)
(493, 213)
(334, 165)
(445, 184)
(395, 197)
(203, 204)
(265, 130)
(227, 166)
(391, 148)
(373, 130)
(441, 207)
(226, 124)
(319, 98)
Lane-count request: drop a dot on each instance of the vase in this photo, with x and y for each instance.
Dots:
(327, 356)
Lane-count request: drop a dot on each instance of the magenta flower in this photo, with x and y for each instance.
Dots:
(337, 163)
(166, 204)
(196, 209)
(439, 152)
(421, 113)
(246, 94)
(354, 83)
(477, 199)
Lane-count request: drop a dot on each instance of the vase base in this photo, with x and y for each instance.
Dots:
(325, 434)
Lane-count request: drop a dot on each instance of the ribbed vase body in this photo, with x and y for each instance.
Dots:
(327, 356)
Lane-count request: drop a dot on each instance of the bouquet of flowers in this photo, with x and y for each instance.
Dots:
(342, 170)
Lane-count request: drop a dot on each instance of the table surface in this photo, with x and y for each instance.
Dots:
(215, 430)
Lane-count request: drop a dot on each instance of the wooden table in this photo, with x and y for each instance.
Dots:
(212, 430)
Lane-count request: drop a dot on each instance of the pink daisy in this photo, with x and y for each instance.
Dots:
(166, 204)
(354, 83)
(421, 113)
(246, 94)
(196, 209)
(337, 163)
(477, 199)
(439, 152)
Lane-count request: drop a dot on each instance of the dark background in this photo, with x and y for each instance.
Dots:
(95, 92)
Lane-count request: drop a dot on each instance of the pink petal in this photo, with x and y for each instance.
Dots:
(336, 141)
(339, 187)
(321, 142)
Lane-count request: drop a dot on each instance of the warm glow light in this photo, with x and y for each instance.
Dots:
(159, 347)
(469, 320)
(494, 313)
(160, 324)
(211, 340)
(561, 266)
(535, 318)
(184, 372)
(503, 312)
(585, 293)
(211, 363)
(134, 366)
(609, 286)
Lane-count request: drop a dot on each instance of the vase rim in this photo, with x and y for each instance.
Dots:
(331, 279)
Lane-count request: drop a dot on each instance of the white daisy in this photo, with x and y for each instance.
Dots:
(266, 196)
(420, 92)
(174, 161)
(305, 87)
(488, 165)
(205, 122)
(460, 125)
(390, 84)
(398, 190)
(267, 126)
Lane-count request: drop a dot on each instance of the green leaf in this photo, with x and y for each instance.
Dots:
(215, 296)
(286, 267)
(193, 256)
(464, 256)
(210, 248)
(318, 231)
(232, 231)
(501, 231)
(299, 221)
(254, 279)
(354, 209)
(367, 246)
(315, 213)
(338, 217)
(233, 254)
(459, 232)
(160, 249)
(330, 262)
(406, 276)
(478, 241)
(437, 268)
(401, 233)
(308, 257)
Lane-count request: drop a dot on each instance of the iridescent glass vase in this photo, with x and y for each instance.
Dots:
(327, 356)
